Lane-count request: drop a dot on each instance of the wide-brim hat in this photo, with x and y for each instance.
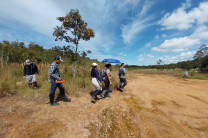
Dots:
(94, 64)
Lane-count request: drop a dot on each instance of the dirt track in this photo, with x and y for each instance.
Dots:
(151, 106)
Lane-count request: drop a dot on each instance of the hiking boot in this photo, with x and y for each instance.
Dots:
(108, 96)
(93, 97)
(51, 96)
(30, 85)
(102, 97)
(66, 99)
(34, 87)
(121, 89)
(54, 104)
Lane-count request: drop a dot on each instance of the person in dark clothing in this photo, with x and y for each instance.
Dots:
(122, 77)
(107, 81)
(96, 81)
(54, 74)
(30, 73)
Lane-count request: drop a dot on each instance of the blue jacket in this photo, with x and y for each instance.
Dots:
(95, 74)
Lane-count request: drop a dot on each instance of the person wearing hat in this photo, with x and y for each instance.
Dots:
(30, 73)
(96, 81)
(54, 74)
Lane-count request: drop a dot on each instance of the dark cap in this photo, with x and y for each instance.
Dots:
(58, 58)
(108, 65)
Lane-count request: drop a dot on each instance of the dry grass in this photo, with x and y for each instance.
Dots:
(176, 72)
(114, 123)
(193, 74)
(12, 82)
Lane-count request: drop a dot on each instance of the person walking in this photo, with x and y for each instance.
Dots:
(54, 75)
(122, 77)
(186, 74)
(107, 81)
(96, 81)
(30, 73)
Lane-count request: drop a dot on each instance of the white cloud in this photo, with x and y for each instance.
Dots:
(182, 57)
(148, 44)
(181, 19)
(149, 59)
(200, 33)
(164, 35)
(176, 44)
(140, 59)
(131, 30)
(41, 16)
(32, 14)
(145, 57)
(98, 43)
(151, 56)
(156, 36)
(122, 54)
(146, 7)
(138, 23)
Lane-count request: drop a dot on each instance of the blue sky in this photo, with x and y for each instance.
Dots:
(137, 32)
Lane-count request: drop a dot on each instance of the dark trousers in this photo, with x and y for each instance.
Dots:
(106, 89)
(53, 90)
(95, 93)
(123, 83)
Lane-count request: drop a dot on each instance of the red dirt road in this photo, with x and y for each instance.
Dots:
(151, 106)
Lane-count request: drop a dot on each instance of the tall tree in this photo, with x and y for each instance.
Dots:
(159, 61)
(202, 52)
(72, 30)
(85, 53)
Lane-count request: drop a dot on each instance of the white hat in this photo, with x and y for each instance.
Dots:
(28, 62)
(95, 64)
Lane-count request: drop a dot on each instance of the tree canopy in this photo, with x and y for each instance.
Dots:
(202, 52)
(72, 29)
(18, 52)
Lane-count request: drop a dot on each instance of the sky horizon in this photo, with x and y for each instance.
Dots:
(136, 32)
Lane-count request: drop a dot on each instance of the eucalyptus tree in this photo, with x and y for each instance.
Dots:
(73, 28)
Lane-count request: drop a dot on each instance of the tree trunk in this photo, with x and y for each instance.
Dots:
(74, 69)
(76, 52)
(1, 61)
(75, 63)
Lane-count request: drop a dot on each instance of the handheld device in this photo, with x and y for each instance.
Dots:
(62, 81)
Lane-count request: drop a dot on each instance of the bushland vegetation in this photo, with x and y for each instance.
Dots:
(13, 54)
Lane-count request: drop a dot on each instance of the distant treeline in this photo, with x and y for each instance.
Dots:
(200, 61)
(193, 64)
(18, 52)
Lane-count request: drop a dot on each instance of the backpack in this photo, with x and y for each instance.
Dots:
(102, 75)
(92, 75)
(120, 72)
